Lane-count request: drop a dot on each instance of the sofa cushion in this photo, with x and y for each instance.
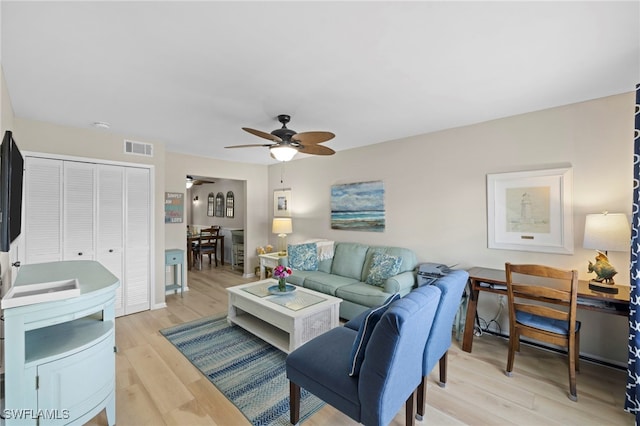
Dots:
(298, 277)
(362, 294)
(326, 283)
(383, 266)
(364, 334)
(303, 257)
(348, 259)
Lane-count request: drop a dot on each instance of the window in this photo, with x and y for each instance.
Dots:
(210, 201)
(220, 204)
(230, 204)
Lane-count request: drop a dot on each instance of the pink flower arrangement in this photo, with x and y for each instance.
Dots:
(281, 272)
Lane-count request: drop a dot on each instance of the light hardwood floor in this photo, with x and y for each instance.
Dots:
(156, 385)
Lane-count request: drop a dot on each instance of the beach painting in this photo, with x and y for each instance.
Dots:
(358, 206)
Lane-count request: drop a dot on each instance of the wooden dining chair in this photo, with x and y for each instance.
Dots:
(556, 325)
(207, 245)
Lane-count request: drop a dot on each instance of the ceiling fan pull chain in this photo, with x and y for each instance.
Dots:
(282, 175)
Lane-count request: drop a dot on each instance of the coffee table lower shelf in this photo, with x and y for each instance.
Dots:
(262, 329)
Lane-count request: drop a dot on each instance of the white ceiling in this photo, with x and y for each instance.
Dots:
(191, 74)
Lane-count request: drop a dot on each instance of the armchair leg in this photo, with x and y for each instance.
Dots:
(410, 408)
(294, 403)
(422, 398)
(443, 370)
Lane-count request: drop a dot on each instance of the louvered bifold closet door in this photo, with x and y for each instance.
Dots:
(42, 210)
(79, 211)
(110, 230)
(137, 243)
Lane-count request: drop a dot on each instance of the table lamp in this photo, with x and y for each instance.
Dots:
(282, 226)
(605, 232)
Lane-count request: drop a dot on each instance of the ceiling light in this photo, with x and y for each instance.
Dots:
(283, 152)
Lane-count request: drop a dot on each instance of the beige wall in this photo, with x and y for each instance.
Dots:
(435, 192)
(197, 211)
(435, 189)
(255, 202)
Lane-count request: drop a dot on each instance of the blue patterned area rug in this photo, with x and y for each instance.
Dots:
(247, 370)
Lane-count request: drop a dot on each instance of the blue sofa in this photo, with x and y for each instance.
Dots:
(345, 276)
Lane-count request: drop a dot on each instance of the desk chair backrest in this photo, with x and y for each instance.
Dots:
(556, 286)
(392, 366)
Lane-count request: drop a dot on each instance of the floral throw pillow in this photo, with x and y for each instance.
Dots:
(303, 257)
(383, 266)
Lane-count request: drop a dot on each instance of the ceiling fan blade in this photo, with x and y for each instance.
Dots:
(316, 150)
(250, 145)
(262, 134)
(201, 181)
(312, 138)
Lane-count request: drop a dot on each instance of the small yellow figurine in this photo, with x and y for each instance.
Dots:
(260, 250)
(269, 248)
(603, 269)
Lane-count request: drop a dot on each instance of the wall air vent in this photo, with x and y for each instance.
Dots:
(138, 148)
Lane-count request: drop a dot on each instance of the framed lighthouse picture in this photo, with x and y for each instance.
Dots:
(531, 210)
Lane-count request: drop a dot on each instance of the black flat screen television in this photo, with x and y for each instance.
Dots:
(11, 174)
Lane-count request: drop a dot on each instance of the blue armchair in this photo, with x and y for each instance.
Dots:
(390, 371)
(437, 346)
(439, 341)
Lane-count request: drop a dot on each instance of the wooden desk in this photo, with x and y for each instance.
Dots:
(192, 238)
(494, 281)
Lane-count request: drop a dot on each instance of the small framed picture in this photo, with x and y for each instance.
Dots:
(282, 203)
(173, 207)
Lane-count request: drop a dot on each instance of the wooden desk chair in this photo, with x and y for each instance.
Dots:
(545, 323)
(208, 245)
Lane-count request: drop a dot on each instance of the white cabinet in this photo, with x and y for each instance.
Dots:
(79, 210)
(60, 354)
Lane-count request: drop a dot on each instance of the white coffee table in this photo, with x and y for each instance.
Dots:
(285, 321)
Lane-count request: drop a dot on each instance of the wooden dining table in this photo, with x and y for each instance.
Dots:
(191, 238)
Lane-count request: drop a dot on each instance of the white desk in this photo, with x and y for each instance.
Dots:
(268, 260)
(60, 355)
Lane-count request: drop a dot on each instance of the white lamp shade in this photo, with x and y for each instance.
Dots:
(283, 153)
(607, 231)
(282, 225)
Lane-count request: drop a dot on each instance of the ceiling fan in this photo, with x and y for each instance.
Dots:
(288, 142)
(191, 181)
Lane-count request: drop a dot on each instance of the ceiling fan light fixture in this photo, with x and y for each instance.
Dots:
(283, 153)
